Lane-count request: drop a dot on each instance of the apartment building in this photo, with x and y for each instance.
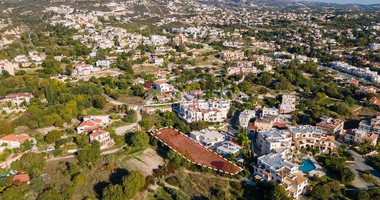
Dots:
(360, 136)
(228, 147)
(212, 110)
(372, 125)
(274, 140)
(307, 135)
(270, 111)
(244, 67)
(245, 117)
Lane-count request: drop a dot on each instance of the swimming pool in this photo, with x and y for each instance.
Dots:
(307, 166)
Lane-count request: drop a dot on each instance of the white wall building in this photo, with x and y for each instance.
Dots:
(274, 140)
(212, 110)
(207, 137)
(245, 117)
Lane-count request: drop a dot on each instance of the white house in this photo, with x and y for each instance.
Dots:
(245, 117)
(103, 63)
(207, 137)
(14, 141)
(103, 137)
(228, 147)
(163, 87)
(93, 122)
(270, 111)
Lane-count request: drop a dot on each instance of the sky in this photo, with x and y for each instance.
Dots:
(365, 2)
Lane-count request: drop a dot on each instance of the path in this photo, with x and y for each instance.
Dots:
(123, 129)
(102, 153)
(8, 161)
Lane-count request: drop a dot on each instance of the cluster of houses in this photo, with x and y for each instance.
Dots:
(93, 125)
(360, 72)
(212, 110)
(276, 147)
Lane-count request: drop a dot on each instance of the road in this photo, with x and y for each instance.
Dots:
(123, 129)
(359, 165)
(72, 156)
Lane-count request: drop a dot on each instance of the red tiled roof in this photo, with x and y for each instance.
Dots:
(18, 179)
(16, 138)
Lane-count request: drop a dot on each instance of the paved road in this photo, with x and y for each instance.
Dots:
(360, 164)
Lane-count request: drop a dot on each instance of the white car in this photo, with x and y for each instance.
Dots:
(50, 149)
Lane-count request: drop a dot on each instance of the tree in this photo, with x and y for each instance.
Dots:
(139, 139)
(278, 193)
(133, 183)
(363, 195)
(242, 139)
(82, 140)
(32, 163)
(6, 127)
(113, 192)
(79, 179)
(90, 153)
(198, 125)
(53, 136)
(98, 101)
(319, 193)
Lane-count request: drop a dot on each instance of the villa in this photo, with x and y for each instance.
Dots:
(103, 137)
(207, 137)
(92, 122)
(212, 110)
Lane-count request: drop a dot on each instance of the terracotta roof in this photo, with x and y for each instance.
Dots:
(299, 179)
(98, 132)
(18, 179)
(16, 138)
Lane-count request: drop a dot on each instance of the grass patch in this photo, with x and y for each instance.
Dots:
(95, 111)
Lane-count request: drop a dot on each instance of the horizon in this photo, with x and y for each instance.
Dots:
(361, 2)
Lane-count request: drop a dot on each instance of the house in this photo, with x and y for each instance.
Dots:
(163, 87)
(196, 93)
(274, 140)
(17, 98)
(8, 66)
(138, 81)
(103, 63)
(307, 135)
(360, 136)
(228, 147)
(14, 141)
(245, 117)
(83, 69)
(103, 137)
(36, 57)
(288, 104)
(265, 123)
(160, 74)
(295, 184)
(206, 137)
(19, 179)
(228, 55)
(158, 61)
(21, 59)
(372, 125)
(270, 111)
(212, 110)
(92, 122)
(331, 125)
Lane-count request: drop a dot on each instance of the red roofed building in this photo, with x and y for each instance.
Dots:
(18, 179)
(331, 125)
(14, 141)
(17, 98)
(92, 122)
(103, 137)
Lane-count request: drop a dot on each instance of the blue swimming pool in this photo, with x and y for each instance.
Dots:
(307, 166)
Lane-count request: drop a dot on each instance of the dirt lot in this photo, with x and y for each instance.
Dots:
(194, 151)
(145, 161)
